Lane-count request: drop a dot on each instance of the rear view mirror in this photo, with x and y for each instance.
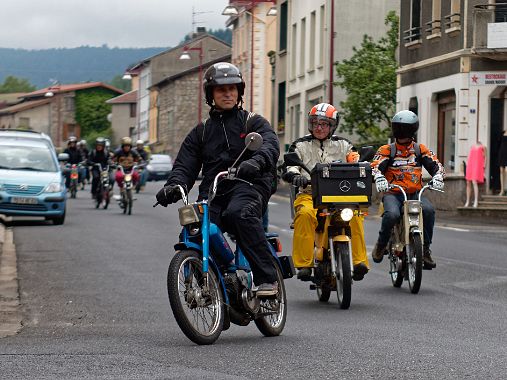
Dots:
(366, 153)
(253, 141)
(63, 157)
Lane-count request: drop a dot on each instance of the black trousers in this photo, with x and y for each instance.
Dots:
(239, 211)
(95, 179)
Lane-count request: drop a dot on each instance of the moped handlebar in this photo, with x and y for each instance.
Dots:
(427, 186)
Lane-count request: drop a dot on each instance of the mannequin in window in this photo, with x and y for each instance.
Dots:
(475, 171)
(502, 162)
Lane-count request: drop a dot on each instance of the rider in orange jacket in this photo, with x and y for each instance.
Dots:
(404, 168)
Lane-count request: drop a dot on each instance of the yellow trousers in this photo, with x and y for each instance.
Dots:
(305, 222)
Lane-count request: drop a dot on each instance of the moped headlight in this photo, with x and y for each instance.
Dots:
(346, 214)
(54, 187)
(188, 215)
(128, 177)
(414, 207)
(413, 220)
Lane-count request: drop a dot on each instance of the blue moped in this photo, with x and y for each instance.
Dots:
(210, 285)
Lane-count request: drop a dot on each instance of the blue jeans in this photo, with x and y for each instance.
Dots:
(393, 204)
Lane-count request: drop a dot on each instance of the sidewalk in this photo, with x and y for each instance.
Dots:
(10, 311)
(443, 218)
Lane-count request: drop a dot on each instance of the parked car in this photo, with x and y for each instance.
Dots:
(31, 180)
(159, 167)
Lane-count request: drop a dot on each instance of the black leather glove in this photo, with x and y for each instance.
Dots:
(300, 180)
(168, 194)
(249, 169)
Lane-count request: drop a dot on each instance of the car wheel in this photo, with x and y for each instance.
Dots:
(58, 220)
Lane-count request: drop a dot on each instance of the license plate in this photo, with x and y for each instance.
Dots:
(24, 200)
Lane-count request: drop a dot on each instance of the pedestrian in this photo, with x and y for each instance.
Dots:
(502, 162)
(475, 171)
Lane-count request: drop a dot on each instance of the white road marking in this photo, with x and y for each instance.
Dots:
(454, 229)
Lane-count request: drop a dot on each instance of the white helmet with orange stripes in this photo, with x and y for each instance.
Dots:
(323, 112)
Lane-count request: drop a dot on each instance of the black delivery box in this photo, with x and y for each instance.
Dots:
(347, 184)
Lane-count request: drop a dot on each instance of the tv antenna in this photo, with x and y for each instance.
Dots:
(194, 20)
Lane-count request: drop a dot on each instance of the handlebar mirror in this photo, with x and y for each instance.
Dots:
(366, 153)
(253, 141)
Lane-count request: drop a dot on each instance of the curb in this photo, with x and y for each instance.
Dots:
(10, 310)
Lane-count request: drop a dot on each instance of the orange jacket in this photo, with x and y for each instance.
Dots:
(404, 169)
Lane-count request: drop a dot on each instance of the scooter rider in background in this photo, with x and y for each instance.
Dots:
(320, 146)
(81, 146)
(214, 145)
(75, 157)
(126, 157)
(405, 169)
(144, 159)
(97, 156)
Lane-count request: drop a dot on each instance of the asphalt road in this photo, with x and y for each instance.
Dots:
(95, 306)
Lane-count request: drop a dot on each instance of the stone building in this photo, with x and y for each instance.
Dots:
(123, 115)
(178, 106)
(453, 74)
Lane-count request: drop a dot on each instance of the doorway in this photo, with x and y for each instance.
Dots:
(496, 132)
(446, 137)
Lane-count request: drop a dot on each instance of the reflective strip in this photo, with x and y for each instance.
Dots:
(344, 198)
(341, 238)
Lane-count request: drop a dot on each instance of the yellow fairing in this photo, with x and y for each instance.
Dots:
(305, 222)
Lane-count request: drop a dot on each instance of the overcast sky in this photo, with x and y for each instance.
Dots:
(40, 24)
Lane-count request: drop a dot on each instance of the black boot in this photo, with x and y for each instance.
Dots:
(378, 252)
(304, 274)
(428, 262)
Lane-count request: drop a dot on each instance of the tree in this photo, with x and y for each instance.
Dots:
(13, 84)
(122, 84)
(369, 79)
(92, 111)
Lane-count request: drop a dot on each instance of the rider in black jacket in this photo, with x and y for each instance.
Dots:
(213, 146)
(98, 156)
(75, 158)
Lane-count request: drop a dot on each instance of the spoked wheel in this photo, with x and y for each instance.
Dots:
(199, 312)
(395, 269)
(344, 275)
(414, 262)
(273, 322)
(124, 201)
(130, 200)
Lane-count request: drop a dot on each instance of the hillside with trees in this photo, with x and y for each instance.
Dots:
(41, 68)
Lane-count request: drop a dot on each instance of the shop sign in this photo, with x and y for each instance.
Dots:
(482, 78)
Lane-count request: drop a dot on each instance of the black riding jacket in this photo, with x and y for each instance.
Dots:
(215, 145)
(75, 156)
(96, 157)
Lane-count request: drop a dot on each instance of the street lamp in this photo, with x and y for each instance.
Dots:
(185, 56)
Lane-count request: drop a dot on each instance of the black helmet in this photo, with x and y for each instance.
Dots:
(404, 124)
(222, 73)
(100, 141)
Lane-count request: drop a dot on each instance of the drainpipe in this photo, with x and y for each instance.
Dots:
(331, 55)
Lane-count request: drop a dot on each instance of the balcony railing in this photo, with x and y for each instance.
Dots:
(434, 27)
(412, 34)
(484, 15)
(452, 21)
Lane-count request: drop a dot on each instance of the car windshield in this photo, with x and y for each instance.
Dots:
(160, 158)
(31, 158)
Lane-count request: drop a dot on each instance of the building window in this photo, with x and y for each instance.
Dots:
(133, 109)
(446, 139)
(302, 49)
(281, 107)
(434, 26)
(69, 104)
(501, 11)
(293, 60)
(414, 33)
(297, 119)
(322, 36)
(24, 122)
(283, 26)
(313, 41)
(453, 21)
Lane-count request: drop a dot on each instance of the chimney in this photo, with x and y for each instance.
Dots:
(200, 31)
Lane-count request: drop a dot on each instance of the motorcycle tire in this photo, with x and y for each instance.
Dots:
(414, 254)
(396, 275)
(273, 324)
(73, 190)
(344, 275)
(98, 198)
(106, 200)
(184, 285)
(130, 201)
